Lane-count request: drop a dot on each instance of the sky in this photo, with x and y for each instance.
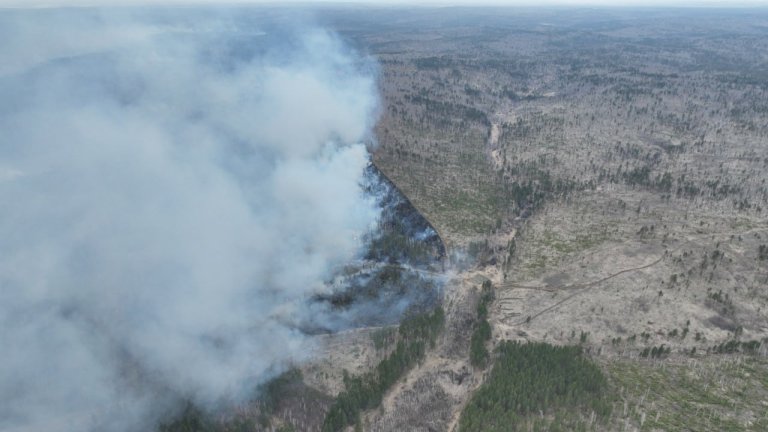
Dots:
(613, 3)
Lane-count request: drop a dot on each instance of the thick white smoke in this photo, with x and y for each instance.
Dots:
(166, 205)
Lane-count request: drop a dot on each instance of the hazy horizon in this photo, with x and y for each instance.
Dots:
(25, 4)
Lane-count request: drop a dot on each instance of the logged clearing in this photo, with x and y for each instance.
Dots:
(606, 172)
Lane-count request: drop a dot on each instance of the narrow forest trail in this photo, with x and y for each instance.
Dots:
(584, 287)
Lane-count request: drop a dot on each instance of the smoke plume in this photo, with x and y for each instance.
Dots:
(171, 192)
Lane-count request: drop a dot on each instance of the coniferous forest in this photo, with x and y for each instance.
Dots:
(537, 386)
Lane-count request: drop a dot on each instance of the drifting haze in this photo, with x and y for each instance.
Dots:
(167, 203)
(439, 3)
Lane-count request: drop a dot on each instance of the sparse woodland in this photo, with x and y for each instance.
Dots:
(606, 171)
(415, 335)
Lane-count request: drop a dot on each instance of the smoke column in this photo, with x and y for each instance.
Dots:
(171, 193)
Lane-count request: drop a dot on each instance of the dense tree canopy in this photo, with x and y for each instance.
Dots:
(535, 378)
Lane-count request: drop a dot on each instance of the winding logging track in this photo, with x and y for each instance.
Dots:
(584, 287)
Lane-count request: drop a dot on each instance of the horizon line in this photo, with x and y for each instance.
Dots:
(605, 4)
